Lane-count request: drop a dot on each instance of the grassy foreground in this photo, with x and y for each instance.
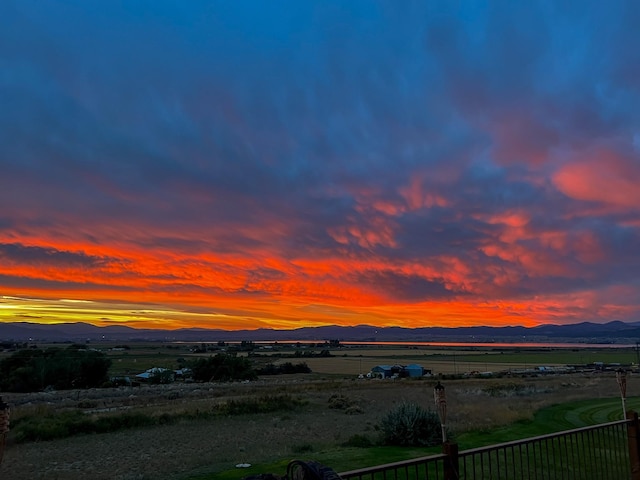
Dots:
(551, 419)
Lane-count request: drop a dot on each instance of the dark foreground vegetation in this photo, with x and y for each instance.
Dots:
(33, 370)
(45, 424)
(222, 368)
(78, 367)
(407, 424)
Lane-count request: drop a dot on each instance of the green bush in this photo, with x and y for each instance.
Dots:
(408, 424)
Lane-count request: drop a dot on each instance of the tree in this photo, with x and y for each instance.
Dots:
(34, 369)
(222, 367)
(161, 376)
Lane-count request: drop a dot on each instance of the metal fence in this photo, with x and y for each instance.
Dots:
(598, 452)
(609, 451)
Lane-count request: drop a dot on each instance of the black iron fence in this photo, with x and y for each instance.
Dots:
(609, 451)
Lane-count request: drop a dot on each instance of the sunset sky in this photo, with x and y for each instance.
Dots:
(248, 164)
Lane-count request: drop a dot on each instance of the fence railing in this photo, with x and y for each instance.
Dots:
(606, 451)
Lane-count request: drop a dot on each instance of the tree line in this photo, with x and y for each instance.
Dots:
(32, 370)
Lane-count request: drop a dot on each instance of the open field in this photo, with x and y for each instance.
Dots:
(352, 360)
(207, 447)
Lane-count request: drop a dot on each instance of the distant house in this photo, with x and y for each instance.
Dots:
(383, 371)
(387, 371)
(183, 373)
(156, 373)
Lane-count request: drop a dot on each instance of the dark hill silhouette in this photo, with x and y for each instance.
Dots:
(616, 331)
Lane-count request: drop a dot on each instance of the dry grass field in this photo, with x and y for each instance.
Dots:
(190, 447)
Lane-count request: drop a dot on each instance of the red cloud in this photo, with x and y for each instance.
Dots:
(604, 177)
(417, 196)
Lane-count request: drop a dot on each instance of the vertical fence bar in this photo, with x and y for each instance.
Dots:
(557, 459)
(562, 458)
(575, 451)
(563, 454)
(602, 450)
(608, 452)
(624, 453)
(633, 442)
(590, 458)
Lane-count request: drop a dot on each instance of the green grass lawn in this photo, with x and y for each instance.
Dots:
(340, 459)
(555, 356)
(552, 419)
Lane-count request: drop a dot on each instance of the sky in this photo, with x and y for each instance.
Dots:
(282, 164)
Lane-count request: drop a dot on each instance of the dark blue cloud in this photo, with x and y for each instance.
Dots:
(28, 255)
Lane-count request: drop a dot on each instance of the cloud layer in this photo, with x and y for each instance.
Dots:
(244, 164)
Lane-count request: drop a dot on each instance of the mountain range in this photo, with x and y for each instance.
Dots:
(585, 332)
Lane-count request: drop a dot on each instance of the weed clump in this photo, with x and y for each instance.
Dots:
(408, 424)
(342, 402)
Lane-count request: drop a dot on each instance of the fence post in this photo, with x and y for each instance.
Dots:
(451, 462)
(633, 436)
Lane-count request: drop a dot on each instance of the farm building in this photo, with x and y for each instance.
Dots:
(156, 372)
(383, 371)
(414, 370)
(387, 371)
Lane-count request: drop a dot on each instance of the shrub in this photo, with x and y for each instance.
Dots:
(409, 424)
(339, 402)
(354, 410)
